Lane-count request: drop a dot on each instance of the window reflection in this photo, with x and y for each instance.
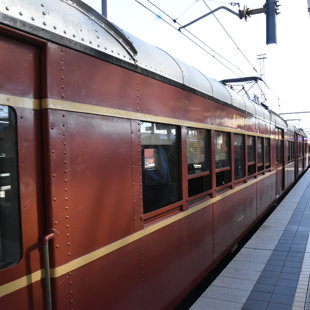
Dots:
(267, 150)
(260, 154)
(160, 165)
(221, 149)
(251, 149)
(10, 231)
(239, 156)
(197, 150)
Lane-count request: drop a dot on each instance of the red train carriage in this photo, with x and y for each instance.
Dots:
(126, 175)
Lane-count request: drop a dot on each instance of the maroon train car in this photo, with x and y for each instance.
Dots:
(126, 175)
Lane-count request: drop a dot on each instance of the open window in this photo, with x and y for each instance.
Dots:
(160, 165)
(198, 162)
(10, 221)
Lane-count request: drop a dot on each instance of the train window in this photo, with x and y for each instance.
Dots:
(267, 152)
(288, 146)
(251, 155)
(10, 221)
(160, 165)
(279, 151)
(222, 146)
(198, 161)
(300, 149)
(260, 150)
(290, 151)
(222, 178)
(222, 158)
(239, 156)
(251, 149)
(199, 185)
(198, 150)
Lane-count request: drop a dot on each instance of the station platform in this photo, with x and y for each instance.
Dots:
(272, 270)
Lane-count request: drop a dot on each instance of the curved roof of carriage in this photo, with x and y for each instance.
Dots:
(71, 22)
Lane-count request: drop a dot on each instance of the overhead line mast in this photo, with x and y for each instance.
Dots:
(104, 8)
(270, 9)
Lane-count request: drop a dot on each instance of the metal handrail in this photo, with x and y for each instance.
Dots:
(48, 289)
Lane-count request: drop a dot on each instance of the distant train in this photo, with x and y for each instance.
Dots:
(126, 175)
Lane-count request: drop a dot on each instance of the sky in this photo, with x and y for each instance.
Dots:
(235, 43)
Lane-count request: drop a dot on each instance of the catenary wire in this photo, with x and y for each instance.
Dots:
(253, 67)
(196, 38)
(186, 10)
(193, 41)
(238, 48)
(201, 47)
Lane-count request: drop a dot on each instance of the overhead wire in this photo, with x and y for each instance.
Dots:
(199, 40)
(191, 38)
(186, 10)
(253, 67)
(226, 2)
(236, 45)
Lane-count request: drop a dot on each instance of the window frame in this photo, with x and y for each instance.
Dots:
(251, 163)
(205, 174)
(244, 150)
(290, 151)
(223, 170)
(267, 165)
(210, 184)
(175, 206)
(260, 165)
(13, 213)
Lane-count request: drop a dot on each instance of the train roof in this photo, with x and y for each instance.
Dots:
(74, 24)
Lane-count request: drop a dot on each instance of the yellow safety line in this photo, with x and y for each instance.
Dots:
(90, 257)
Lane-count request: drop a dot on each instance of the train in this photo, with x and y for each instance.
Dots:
(126, 175)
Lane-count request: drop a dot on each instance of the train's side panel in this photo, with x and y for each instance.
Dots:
(289, 174)
(104, 254)
(175, 258)
(233, 216)
(92, 196)
(80, 78)
(92, 189)
(113, 281)
(265, 193)
(20, 87)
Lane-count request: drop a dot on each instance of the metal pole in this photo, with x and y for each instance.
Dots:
(205, 15)
(48, 290)
(104, 8)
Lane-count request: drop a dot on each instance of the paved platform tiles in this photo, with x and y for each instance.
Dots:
(272, 271)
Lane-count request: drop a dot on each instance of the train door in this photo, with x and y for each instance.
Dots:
(299, 161)
(21, 189)
(279, 161)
